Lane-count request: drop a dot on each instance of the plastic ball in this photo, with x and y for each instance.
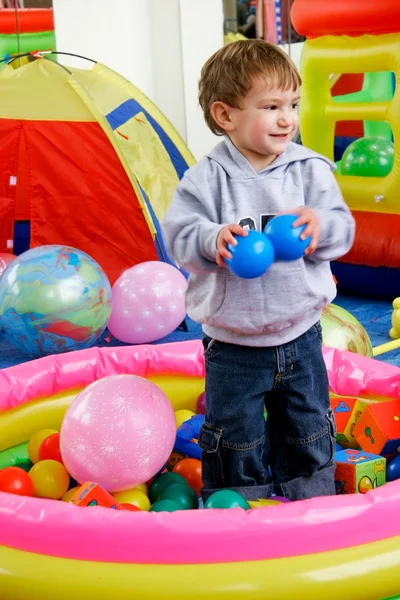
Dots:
(161, 482)
(119, 432)
(14, 480)
(133, 496)
(164, 506)
(148, 303)
(368, 157)
(226, 499)
(36, 441)
(50, 448)
(252, 256)
(285, 238)
(54, 299)
(130, 507)
(341, 330)
(393, 469)
(182, 494)
(183, 415)
(142, 487)
(69, 494)
(5, 260)
(201, 404)
(50, 479)
(191, 471)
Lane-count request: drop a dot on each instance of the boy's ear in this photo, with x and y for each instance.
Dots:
(221, 114)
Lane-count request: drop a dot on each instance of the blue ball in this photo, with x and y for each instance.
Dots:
(285, 238)
(393, 469)
(252, 256)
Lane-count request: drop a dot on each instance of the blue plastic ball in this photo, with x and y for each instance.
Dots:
(393, 469)
(285, 238)
(252, 255)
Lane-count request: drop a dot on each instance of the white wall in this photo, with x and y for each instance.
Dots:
(116, 34)
(159, 45)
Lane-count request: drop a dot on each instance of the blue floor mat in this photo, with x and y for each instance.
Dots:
(375, 315)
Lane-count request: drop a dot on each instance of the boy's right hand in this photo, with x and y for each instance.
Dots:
(224, 238)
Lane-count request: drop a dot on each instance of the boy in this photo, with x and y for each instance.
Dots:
(262, 337)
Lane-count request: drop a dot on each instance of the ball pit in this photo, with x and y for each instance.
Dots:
(342, 546)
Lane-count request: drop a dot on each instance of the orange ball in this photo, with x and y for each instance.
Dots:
(36, 441)
(190, 469)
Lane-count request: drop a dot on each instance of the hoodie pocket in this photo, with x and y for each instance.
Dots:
(268, 304)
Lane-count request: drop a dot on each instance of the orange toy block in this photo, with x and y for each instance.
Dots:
(93, 494)
(347, 412)
(378, 429)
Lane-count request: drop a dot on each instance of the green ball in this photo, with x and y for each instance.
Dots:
(368, 157)
(163, 481)
(226, 499)
(183, 495)
(164, 506)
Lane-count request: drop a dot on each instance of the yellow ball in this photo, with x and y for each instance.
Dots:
(133, 496)
(50, 479)
(68, 495)
(36, 441)
(142, 487)
(183, 415)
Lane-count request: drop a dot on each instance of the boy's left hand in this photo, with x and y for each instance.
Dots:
(309, 218)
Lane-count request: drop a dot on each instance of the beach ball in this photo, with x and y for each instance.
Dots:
(5, 260)
(341, 330)
(54, 299)
(119, 432)
(148, 303)
(252, 256)
(368, 157)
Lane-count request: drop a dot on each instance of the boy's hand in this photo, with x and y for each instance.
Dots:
(224, 238)
(309, 218)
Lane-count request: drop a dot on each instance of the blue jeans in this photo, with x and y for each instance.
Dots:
(292, 452)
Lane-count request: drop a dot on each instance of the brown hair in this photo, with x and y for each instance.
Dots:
(229, 73)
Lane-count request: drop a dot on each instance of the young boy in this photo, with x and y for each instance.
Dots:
(262, 337)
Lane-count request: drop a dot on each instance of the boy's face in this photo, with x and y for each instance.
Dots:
(265, 123)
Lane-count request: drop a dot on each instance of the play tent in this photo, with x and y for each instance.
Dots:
(86, 159)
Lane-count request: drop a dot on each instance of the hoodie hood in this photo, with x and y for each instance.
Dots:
(237, 166)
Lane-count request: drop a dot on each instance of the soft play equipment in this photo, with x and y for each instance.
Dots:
(346, 546)
(356, 36)
(26, 30)
(102, 162)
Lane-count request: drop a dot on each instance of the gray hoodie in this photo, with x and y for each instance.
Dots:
(224, 188)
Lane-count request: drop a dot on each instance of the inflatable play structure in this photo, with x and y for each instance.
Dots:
(361, 40)
(87, 160)
(26, 30)
(345, 546)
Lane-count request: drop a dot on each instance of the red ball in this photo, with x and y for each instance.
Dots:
(50, 448)
(130, 507)
(14, 480)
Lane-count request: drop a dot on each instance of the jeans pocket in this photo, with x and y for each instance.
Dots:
(210, 441)
(210, 437)
(332, 431)
(211, 347)
(317, 331)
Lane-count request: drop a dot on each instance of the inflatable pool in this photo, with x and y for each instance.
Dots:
(332, 547)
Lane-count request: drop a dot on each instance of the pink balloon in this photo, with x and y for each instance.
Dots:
(119, 432)
(148, 303)
(5, 260)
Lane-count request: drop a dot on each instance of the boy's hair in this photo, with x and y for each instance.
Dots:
(229, 74)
